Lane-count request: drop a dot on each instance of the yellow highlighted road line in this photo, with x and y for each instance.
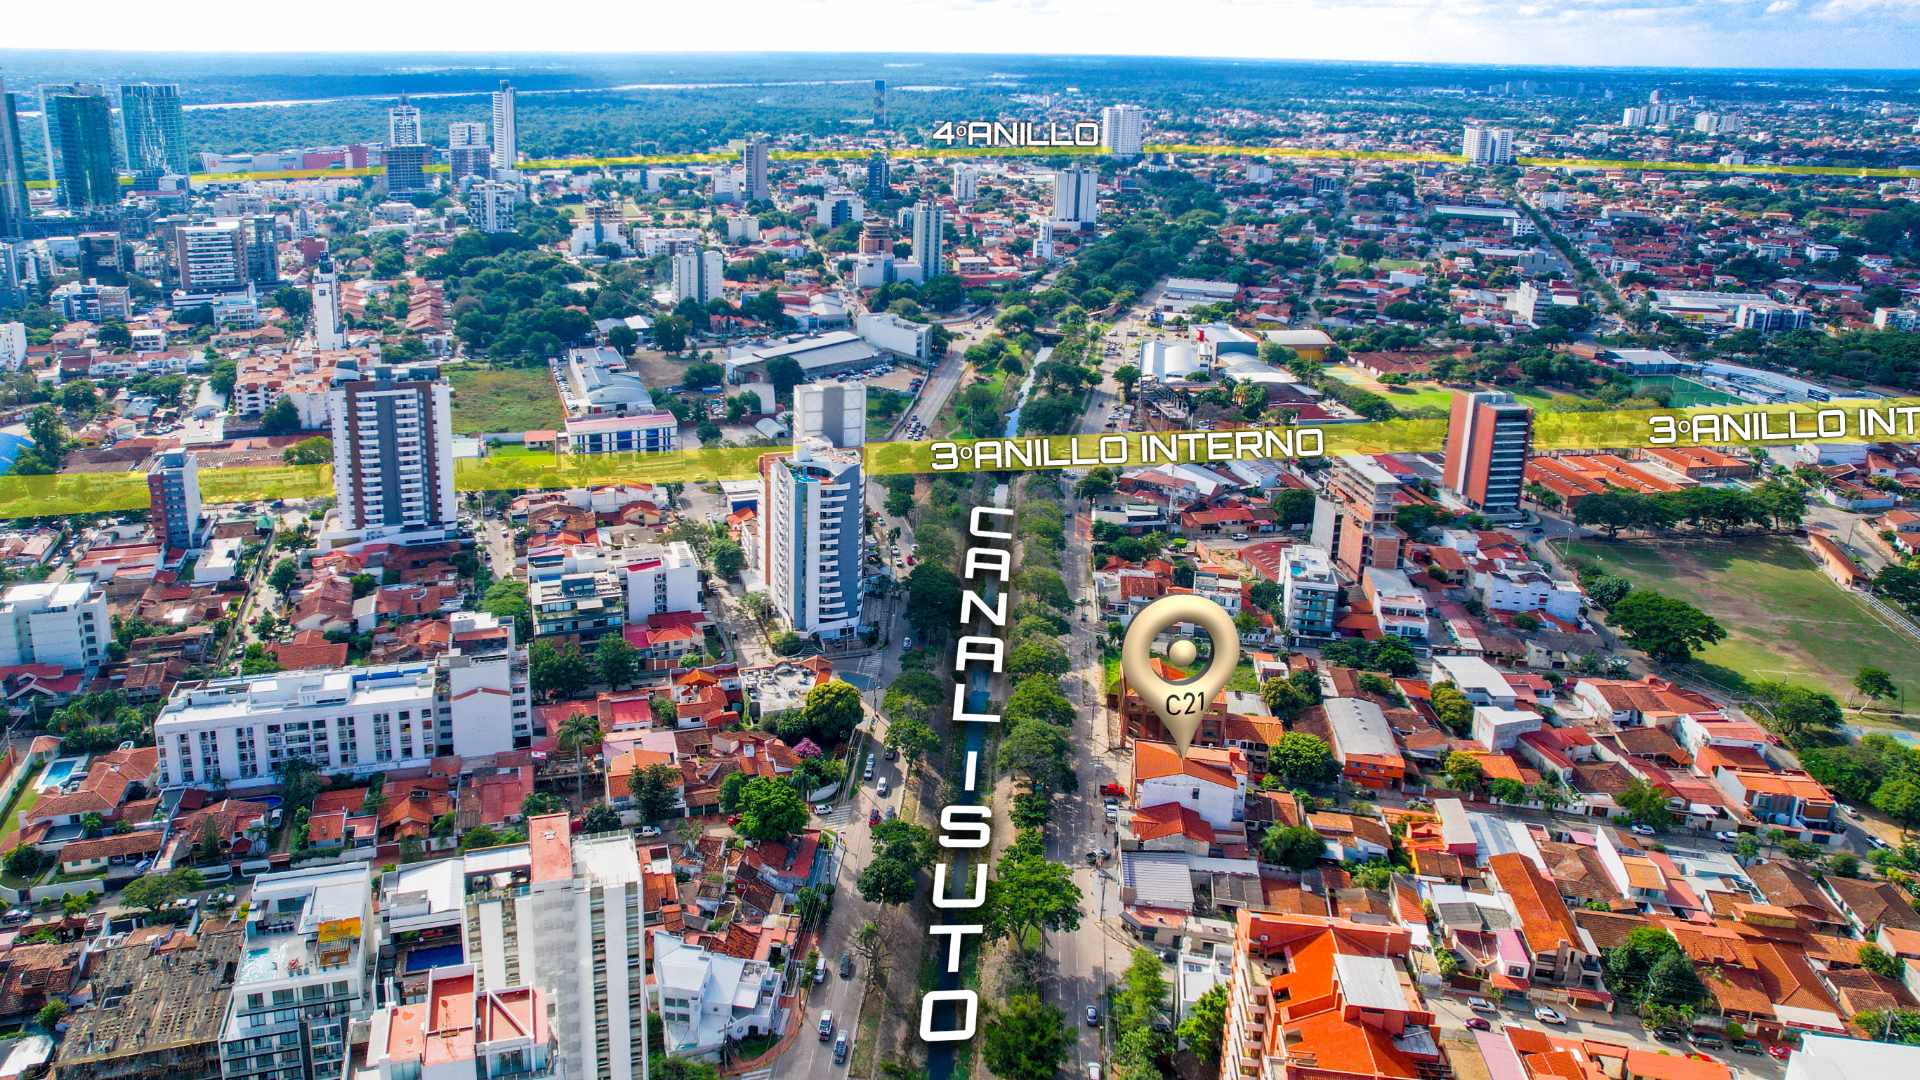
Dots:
(1893, 421)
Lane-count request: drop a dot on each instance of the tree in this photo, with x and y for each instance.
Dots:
(315, 451)
(50, 1014)
(831, 711)
(300, 782)
(1027, 893)
(656, 792)
(1038, 656)
(1205, 1022)
(1463, 771)
(1665, 628)
(1026, 1039)
(887, 880)
(728, 559)
(1799, 714)
(1452, 707)
(1126, 375)
(578, 733)
(770, 809)
(507, 599)
(615, 660)
(1645, 805)
(1296, 847)
(561, 670)
(1282, 698)
(1881, 962)
(1607, 590)
(1874, 683)
(155, 891)
(1040, 753)
(1302, 759)
(599, 818)
(1899, 799)
(283, 576)
(541, 802)
(282, 419)
(679, 1068)
(1648, 968)
(784, 373)
(911, 738)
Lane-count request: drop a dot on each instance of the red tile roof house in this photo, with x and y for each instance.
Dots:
(122, 855)
(113, 779)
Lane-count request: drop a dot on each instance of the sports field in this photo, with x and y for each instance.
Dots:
(1784, 618)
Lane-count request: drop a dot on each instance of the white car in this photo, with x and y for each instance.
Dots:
(1548, 1016)
(1727, 837)
(649, 830)
(1642, 830)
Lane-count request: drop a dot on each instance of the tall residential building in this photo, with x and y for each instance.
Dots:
(490, 205)
(305, 976)
(879, 176)
(698, 275)
(155, 130)
(78, 123)
(506, 128)
(1076, 197)
(48, 623)
(567, 916)
(405, 168)
(1482, 145)
(834, 411)
(467, 151)
(1123, 129)
(393, 454)
(813, 503)
(329, 330)
(403, 124)
(14, 208)
(173, 499)
(262, 233)
(880, 104)
(753, 157)
(210, 257)
(1354, 520)
(966, 183)
(1310, 591)
(13, 335)
(929, 239)
(1488, 437)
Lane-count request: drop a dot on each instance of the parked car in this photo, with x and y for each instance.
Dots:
(1668, 1034)
(840, 1047)
(1116, 790)
(820, 971)
(823, 809)
(1728, 837)
(1779, 1051)
(1093, 1016)
(882, 789)
(649, 830)
(1548, 1016)
(826, 1024)
(867, 773)
(846, 965)
(1479, 1023)
(1480, 1004)
(873, 816)
(1642, 830)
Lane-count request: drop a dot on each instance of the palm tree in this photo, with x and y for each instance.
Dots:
(578, 732)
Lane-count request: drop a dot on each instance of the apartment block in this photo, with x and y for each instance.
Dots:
(63, 624)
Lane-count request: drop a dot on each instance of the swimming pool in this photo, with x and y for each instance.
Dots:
(59, 771)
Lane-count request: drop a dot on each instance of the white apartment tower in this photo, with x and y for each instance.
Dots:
(929, 239)
(698, 275)
(1076, 197)
(1123, 129)
(403, 124)
(834, 411)
(966, 183)
(569, 917)
(813, 501)
(465, 133)
(506, 128)
(393, 454)
(63, 624)
(329, 332)
(754, 157)
(490, 205)
(1482, 145)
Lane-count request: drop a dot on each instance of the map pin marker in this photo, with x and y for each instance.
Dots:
(1180, 705)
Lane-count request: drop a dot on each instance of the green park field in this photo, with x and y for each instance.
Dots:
(489, 399)
(1784, 618)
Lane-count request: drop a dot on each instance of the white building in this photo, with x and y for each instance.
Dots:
(1209, 781)
(661, 578)
(393, 454)
(929, 239)
(1310, 591)
(61, 623)
(1076, 197)
(1499, 729)
(210, 256)
(1123, 129)
(698, 275)
(490, 205)
(329, 330)
(609, 408)
(708, 998)
(812, 546)
(566, 916)
(966, 183)
(1477, 679)
(1482, 145)
(403, 124)
(306, 974)
(13, 345)
(901, 337)
(506, 128)
(834, 411)
(753, 160)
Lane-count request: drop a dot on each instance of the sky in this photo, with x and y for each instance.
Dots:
(1678, 33)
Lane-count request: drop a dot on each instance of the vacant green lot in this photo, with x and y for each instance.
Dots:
(487, 399)
(1427, 394)
(1784, 618)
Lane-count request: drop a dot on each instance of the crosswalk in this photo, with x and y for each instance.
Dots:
(757, 1074)
(837, 813)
